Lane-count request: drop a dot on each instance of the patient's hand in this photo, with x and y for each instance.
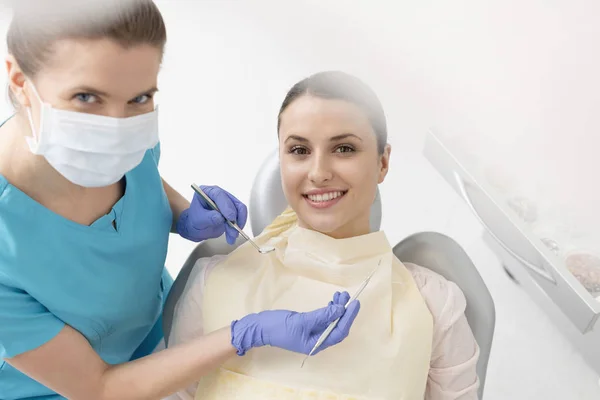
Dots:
(293, 331)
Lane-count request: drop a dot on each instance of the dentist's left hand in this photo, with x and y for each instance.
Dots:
(200, 222)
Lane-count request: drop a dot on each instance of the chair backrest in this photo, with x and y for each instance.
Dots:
(444, 256)
(207, 248)
(267, 200)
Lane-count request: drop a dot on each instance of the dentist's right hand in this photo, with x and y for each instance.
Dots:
(293, 331)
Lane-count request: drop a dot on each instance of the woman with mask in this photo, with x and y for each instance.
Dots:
(411, 340)
(85, 218)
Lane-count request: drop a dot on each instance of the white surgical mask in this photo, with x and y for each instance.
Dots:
(92, 150)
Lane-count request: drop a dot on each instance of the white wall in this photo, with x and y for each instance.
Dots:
(521, 75)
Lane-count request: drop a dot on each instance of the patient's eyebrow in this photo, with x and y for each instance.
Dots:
(344, 136)
(332, 139)
(297, 138)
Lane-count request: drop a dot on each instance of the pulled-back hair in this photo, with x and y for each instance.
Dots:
(338, 85)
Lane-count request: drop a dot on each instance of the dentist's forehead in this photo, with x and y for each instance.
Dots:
(69, 38)
(104, 65)
(44, 13)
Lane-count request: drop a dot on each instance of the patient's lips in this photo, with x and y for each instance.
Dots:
(324, 198)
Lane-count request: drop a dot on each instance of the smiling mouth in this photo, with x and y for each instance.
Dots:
(324, 200)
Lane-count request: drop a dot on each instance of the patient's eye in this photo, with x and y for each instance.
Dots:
(298, 150)
(344, 149)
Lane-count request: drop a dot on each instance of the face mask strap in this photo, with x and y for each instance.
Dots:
(35, 92)
(35, 137)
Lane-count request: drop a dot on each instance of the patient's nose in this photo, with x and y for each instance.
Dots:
(320, 170)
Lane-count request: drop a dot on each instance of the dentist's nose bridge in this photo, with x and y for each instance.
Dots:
(119, 111)
(121, 107)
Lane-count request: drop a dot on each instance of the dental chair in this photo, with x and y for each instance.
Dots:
(432, 250)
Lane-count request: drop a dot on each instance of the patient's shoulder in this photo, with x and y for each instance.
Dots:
(426, 278)
(445, 300)
(204, 265)
(187, 313)
(194, 285)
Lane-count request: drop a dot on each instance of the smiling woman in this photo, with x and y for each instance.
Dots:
(411, 339)
(333, 151)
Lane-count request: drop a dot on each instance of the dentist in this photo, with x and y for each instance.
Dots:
(85, 218)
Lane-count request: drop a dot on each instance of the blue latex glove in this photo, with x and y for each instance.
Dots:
(297, 332)
(200, 222)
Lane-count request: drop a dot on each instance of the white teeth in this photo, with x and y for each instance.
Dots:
(324, 196)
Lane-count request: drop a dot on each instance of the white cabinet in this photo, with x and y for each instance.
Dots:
(535, 263)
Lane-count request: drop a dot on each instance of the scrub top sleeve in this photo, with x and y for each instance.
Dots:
(25, 324)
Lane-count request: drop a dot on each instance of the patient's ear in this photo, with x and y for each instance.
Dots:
(384, 163)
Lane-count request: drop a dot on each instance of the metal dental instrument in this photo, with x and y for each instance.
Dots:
(332, 326)
(261, 250)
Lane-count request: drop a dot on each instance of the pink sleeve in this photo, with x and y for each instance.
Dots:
(187, 316)
(453, 366)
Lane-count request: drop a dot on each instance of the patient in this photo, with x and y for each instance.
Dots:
(411, 339)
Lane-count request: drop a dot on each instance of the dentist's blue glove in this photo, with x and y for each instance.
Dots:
(200, 222)
(297, 332)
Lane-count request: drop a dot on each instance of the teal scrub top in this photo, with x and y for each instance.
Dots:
(105, 280)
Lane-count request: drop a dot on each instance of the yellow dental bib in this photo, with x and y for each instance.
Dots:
(386, 355)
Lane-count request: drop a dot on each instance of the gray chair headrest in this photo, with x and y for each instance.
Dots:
(267, 200)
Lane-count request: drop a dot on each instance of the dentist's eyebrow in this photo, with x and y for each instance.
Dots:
(149, 91)
(91, 90)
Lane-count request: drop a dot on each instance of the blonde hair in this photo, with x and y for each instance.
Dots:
(37, 25)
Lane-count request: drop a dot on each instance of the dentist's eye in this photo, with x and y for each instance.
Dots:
(86, 98)
(143, 99)
(298, 150)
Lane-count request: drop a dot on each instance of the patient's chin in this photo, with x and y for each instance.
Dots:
(326, 225)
